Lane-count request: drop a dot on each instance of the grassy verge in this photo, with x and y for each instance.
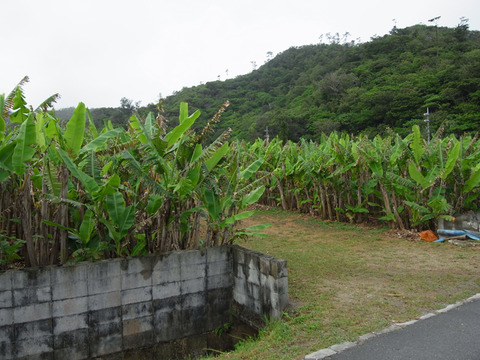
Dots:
(345, 281)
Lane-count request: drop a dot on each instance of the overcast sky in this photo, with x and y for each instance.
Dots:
(98, 51)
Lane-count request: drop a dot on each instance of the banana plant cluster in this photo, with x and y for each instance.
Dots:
(72, 191)
(407, 182)
(76, 192)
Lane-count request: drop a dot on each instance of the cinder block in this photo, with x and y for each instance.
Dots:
(70, 281)
(6, 299)
(105, 300)
(218, 254)
(7, 350)
(193, 285)
(133, 311)
(166, 290)
(34, 329)
(253, 291)
(283, 301)
(68, 307)
(72, 345)
(5, 280)
(193, 257)
(6, 317)
(267, 281)
(167, 305)
(238, 254)
(167, 319)
(240, 297)
(168, 325)
(219, 267)
(136, 273)
(77, 340)
(35, 295)
(37, 347)
(32, 312)
(239, 270)
(132, 296)
(105, 339)
(218, 307)
(30, 278)
(193, 271)
(264, 262)
(143, 353)
(257, 307)
(219, 281)
(239, 285)
(104, 277)
(272, 299)
(104, 316)
(6, 333)
(194, 321)
(253, 275)
(281, 286)
(279, 268)
(139, 329)
(197, 300)
(70, 323)
(166, 269)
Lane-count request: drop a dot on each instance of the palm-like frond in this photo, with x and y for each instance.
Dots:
(91, 166)
(9, 100)
(161, 121)
(210, 125)
(211, 149)
(48, 103)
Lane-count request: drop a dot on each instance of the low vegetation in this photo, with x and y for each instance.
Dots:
(347, 280)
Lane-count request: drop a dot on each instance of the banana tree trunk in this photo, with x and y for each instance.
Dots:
(63, 214)
(44, 255)
(282, 195)
(386, 201)
(395, 212)
(26, 212)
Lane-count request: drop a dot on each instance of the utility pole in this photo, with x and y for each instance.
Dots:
(427, 120)
(267, 137)
(435, 20)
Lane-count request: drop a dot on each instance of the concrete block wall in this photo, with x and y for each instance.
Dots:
(260, 284)
(466, 221)
(93, 310)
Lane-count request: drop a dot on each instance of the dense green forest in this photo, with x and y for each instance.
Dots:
(386, 83)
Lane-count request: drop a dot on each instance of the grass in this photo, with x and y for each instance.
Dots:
(345, 281)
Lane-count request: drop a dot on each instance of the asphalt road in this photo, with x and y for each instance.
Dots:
(453, 335)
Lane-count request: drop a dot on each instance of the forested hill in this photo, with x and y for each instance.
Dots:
(386, 83)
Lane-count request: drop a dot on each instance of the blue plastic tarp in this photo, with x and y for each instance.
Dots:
(446, 234)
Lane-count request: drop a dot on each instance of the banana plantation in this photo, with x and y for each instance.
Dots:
(76, 192)
(72, 192)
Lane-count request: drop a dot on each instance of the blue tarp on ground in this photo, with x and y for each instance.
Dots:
(445, 234)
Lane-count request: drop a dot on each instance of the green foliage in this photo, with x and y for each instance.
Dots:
(87, 194)
(405, 182)
(9, 249)
(369, 87)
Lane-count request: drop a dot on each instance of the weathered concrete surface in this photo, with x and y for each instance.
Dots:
(260, 285)
(466, 221)
(158, 302)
